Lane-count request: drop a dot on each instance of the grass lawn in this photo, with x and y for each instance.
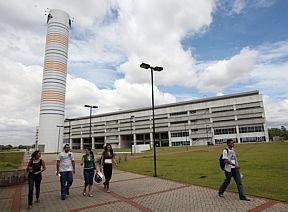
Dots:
(264, 166)
(9, 160)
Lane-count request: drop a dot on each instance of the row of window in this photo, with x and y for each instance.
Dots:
(222, 131)
(253, 139)
(180, 143)
(179, 113)
(179, 134)
(248, 129)
(178, 122)
(223, 141)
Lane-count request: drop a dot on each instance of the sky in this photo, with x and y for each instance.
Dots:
(206, 47)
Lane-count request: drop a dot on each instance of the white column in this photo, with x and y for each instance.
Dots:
(237, 133)
(169, 137)
(119, 141)
(81, 143)
(134, 138)
(71, 142)
(151, 139)
(93, 143)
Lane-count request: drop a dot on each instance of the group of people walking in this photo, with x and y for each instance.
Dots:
(65, 168)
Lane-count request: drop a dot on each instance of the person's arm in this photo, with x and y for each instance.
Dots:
(113, 159)
(57, 167)
(43, 167)
(73, 165)
(82, 161)
(28, 165)
(225, 157)
(102, 162)
(229, 162)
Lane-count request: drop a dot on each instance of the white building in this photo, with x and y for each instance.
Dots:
(239, 116)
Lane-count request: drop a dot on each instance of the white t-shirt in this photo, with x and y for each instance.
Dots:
(65, 159)
(231, 156)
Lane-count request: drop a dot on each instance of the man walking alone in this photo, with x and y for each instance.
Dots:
(231, 170)
(65, 166)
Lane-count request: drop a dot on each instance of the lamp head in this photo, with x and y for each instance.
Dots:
(145, 65)
(157, 68)
(87, 106)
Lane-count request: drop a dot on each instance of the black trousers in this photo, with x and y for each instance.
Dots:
(107, 169)
(236, 175)
(34, 180)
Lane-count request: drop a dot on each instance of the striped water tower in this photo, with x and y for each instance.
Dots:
(52, 108)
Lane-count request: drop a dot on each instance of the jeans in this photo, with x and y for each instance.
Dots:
(88, 176)
(66, 180)
(33, 179)
(236, 175)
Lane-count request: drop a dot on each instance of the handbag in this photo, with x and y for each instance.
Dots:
(98, 177)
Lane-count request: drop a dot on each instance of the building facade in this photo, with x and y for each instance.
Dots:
(213, 120)
(52, 107)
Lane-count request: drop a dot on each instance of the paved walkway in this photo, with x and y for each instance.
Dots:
(130, 192)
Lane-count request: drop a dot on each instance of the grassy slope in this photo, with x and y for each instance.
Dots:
(9, 161)
(264, 166)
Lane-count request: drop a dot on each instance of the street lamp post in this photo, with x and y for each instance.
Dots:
(131, 134)
(59, 127)
(90, 107)
(156, 68)
(69, 130)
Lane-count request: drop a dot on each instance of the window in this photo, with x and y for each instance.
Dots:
(223, 131)
(252, 139)
(179, 113)
(222, 141)
(178, 122)
(179, 134)
(248, 129)
(180, 143)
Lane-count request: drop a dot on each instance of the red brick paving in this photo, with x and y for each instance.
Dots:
(141, 197)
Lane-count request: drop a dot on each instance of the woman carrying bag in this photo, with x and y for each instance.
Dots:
(89, 169)
(106, 165)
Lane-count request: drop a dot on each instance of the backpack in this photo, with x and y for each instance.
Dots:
(221, 160)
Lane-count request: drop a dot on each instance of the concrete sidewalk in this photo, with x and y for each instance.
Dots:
(130, 192)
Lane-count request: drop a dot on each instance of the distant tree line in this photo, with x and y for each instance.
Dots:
(278, 133)
(10, 147)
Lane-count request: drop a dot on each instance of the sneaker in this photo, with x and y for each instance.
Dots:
(63, 197)
(84, 194)
(220, 195)
(37, 200)
(90, 195)
(29, 206)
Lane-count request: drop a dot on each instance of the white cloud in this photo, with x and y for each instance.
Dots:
(238, 6)
(224, 73)
(20, 99)
(102, 50)
(124, 96)
(276, 111)
(151, 31)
